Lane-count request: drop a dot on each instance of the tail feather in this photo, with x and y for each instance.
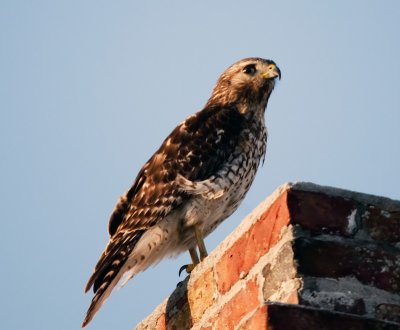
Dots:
(111, 252)
(109, 270)
(101, 295)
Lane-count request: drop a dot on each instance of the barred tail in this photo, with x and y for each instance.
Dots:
(102, 294)
(109, 270)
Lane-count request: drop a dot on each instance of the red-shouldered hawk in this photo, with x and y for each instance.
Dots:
(193, 182)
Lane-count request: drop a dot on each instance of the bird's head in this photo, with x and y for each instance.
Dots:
(247, 83)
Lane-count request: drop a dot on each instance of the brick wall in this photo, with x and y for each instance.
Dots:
(308, 257)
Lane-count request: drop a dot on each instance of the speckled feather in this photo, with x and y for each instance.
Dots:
(203, 169)
(194, 150)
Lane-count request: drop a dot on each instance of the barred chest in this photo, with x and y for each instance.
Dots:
(246, 159)
(237, 175)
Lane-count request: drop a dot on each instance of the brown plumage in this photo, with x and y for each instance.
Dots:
(194, 181)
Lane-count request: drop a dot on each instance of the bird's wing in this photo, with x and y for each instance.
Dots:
(194, 151)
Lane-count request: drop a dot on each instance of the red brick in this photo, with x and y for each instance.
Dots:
(234, 310)
(248, 249)
(258, 320)
(201, 294)
(161, 323)
(292, 298)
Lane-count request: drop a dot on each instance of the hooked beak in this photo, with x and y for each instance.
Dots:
(272, 72)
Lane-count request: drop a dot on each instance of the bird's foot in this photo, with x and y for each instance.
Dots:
(188, 268)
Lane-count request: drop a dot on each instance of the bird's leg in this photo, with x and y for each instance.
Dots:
(195, 261)
(194, 256)
(200, 242)
(193, 253)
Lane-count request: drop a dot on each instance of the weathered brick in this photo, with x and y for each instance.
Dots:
(370, 263)
(389, 312)
(234, 310)
(248, 249)
(283, 269)
(342, 259)
(180, 320)
(201, 294)
(335, 301)
(177, 310)
(321, 213)
(258, 321)
(382, 225)
(289, 317)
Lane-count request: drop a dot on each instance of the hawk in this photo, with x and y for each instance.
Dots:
(194, 181)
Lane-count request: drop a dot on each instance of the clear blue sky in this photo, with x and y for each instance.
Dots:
(89, 89)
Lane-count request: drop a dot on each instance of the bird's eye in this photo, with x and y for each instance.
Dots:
(249, 69)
